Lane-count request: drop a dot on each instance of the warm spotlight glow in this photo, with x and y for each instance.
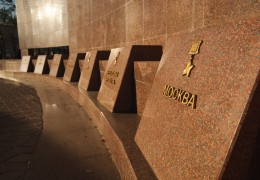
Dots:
(50, 10)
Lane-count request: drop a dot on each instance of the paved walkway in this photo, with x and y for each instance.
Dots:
(46, 135)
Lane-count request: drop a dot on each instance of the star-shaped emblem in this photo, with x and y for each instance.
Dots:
(188, 69)
(115, 61)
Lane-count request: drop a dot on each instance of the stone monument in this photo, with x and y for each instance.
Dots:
(90, 74)
(26, 64)
(201, 119)
(72, 69)
(117, 91)
(42, 66)
(57, 66)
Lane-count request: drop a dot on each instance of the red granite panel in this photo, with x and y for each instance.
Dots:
(72, 70)
(184, 15)
(79, 11)
(87, 11)
(70, 3)
(117, 149)
(134, 43)
(99, 33)
(117, 91)
(161, 40)
(88, 31)
(134, 21)
(69, 67)
(218, 12)
(97, 10)
(72, 20)
(144, 75)
(116, 4)
(81, 39)
(154, 18)
(57, 66)
(73, 40)
(106, 7)
(180, 142)
(109, 6)
(244, 161)
(26, 64)
(145, 70)
(115, 27)
(142, 92)
(90, 75)
(41, 66)
(109, 89)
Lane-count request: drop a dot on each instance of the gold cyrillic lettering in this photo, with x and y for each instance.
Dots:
(192, 101)
(182, 96)
(179, 98)
(166, 90)
(171, 90)
(175, 93)
(185, 98)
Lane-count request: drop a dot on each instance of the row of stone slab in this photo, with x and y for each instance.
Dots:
(201, 118)
(115, 69)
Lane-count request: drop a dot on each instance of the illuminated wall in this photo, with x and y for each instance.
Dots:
(85, 25)
(106, 24)
(42, 23)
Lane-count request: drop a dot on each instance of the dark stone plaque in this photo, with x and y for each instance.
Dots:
(72, 69)
(57, 66)
(90, 75)
(41, 66)
(117, 91)
(26, 64)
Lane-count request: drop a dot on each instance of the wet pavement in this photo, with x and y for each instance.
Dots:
(45, 134)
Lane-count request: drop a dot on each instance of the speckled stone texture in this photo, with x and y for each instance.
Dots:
(184, 143)
(72, 70)
(26, 64)
(144, 75)
(90, 74)
(42, 66)
(118, 95)
(57, 67)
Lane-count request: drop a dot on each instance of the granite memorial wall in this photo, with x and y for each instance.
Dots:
(199, 103)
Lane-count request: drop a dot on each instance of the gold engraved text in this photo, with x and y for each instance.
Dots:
(115, 61)
(111, 77)
(181, 96)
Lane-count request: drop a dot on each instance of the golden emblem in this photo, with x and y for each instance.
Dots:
(188, 69)
(194, 50)
(116, 58)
